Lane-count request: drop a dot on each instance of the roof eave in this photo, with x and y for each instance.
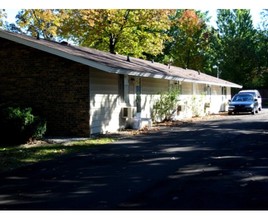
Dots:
(103, 67)
(169, 77)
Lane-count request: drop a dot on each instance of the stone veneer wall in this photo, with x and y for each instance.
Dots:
(56, 88)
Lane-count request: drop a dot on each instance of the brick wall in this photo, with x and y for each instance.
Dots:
(55, 87)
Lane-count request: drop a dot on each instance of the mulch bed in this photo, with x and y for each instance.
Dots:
(157, 126)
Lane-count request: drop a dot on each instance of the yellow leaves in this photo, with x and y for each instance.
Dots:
(89, 16)
(44, 22)
(2, 15)
(131, 31)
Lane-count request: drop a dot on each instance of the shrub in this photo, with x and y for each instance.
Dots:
(20, 125)
(165, 105)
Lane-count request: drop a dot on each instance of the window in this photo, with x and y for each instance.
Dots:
(208, 90)
(224, 91)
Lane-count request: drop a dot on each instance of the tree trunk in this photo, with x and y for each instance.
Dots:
(112, 44)
(188, 59)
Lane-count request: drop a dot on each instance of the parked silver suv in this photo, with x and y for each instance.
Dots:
(256, 95)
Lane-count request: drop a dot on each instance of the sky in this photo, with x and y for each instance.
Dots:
(12, 6)
(255, 12)
(167, 4)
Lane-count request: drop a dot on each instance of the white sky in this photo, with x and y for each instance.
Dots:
(255, 12)
(12, 6)
(203, 4)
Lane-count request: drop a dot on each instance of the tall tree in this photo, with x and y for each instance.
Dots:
(40, 22)
(262, 69)
(190, 40)
(2, 15)
(237, 46)
(133, 32)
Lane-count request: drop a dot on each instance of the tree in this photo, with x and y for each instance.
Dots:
(236, 55)
(262, 69)
(40, 22)
(130, 32)
(2, 15)
(190, 40)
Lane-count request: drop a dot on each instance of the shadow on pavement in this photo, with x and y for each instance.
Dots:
(211, 165)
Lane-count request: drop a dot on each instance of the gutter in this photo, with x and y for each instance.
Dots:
(31, 42)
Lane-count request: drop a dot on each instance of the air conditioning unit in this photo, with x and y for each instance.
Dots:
(180, 108)
(128, 112)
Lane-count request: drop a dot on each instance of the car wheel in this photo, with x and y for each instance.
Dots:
(254, 112)
(229, 113)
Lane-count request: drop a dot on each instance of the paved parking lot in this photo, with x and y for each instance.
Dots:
(216, 164)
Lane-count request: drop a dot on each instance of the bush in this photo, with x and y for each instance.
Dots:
(20, 125)
(165, 105)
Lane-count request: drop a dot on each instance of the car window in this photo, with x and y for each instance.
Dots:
(243, 98)
(254, 93)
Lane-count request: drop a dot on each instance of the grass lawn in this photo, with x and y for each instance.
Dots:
(12, 157)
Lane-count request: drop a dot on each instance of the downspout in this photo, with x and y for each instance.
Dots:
(89, 103)
(126, 90)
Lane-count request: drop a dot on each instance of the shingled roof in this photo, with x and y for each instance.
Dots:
(115, 63)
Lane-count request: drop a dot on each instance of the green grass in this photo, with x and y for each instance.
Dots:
(12, 157)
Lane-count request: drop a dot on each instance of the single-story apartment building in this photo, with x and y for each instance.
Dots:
(82, 91)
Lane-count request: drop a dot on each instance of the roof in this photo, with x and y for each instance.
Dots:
(115, 63)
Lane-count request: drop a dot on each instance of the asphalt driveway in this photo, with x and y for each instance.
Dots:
(217, 164)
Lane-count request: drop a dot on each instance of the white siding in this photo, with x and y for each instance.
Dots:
(219, 100)
(215, 103)
(185, 101)
(186, 88)
(201, 99)
(151, 89)
(105, 104)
